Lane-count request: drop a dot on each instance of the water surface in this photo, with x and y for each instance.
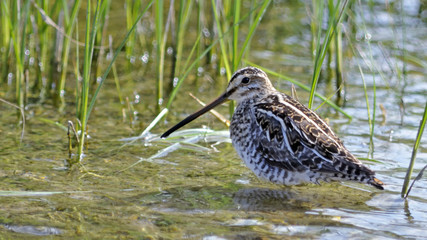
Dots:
(211, 194)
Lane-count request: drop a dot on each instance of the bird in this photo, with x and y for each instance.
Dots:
(280, 139)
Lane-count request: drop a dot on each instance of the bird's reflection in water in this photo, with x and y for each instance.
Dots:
(299, 199)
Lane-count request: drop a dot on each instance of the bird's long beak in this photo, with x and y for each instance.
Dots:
(214, 103)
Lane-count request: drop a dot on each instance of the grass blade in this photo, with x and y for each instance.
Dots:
(321, 52)
(405, 191)
(116, 53)
(224, 52)
(66, 49)
(236, 8)
(160, 47)
(419, 176)
(252, 29)
(90, 35)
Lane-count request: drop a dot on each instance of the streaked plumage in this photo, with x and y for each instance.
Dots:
(280, 139)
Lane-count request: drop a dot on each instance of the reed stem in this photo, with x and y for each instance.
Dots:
(414, 153)
(321, 50)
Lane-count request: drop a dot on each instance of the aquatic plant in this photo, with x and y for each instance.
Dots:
(337, 11)
(405, 189)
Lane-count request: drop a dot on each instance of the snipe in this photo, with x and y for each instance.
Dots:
(280, 139)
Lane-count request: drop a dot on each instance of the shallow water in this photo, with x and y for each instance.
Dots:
(198, 194)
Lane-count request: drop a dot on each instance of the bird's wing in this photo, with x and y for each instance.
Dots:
(296, 138)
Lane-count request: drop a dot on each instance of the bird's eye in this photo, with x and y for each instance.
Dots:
(245, 80)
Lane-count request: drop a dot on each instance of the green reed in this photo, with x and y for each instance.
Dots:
(222, 44)
(184, 15)
(336, 50)
(371, 117)
(111, 66)
(375, 69)
(100, 41)
(115, 74)
(21, 76)
(83, 108)
(160, 50)
(374, 102)
(236, 13)
(316, 26)
(190, 64)
(233, 60)
(29, 27)
(16, 18)
(201, 23)
(409, 59)
(69, 23)
(6, 40)
(254, 22)
(188, 68)
(421, 128)
(237, 50)
(116, 53)
(82, 111)
(338, 11)
(132, 12)
(42, 37)
(50, 39)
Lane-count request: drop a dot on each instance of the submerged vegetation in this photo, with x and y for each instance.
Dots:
(63, 55)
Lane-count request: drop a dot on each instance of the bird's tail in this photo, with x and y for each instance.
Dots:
(376, 183)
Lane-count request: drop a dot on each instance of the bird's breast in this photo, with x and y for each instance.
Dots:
(242, 129)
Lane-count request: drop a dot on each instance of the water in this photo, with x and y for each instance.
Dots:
(198, 194)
